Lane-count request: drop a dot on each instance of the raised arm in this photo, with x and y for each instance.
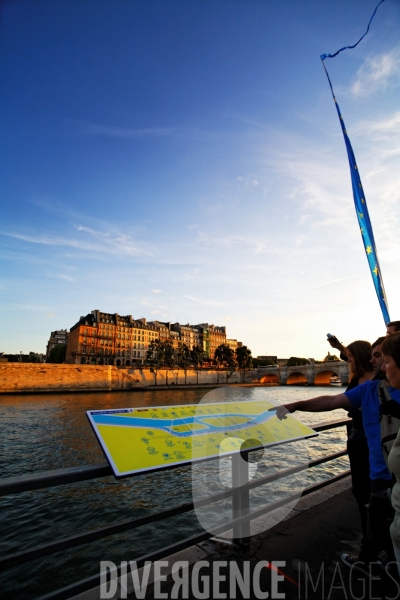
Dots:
(319, 404)
(334, 342)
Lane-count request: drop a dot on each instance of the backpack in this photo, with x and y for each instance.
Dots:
(389, 417)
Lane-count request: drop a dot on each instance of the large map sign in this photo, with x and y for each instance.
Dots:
(136, 440)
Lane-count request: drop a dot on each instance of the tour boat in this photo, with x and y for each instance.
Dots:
(335, 380)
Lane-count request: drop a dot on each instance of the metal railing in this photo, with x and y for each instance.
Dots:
(239, 495)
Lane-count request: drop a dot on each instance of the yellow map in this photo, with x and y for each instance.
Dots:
(143, 439)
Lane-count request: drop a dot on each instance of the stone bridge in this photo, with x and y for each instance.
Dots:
(311, 374)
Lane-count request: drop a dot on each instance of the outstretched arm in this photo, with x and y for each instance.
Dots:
(334, 342)
(319, 404)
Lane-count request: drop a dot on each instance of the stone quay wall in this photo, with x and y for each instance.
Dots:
(46, 377)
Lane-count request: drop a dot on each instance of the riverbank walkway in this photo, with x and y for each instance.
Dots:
(308, 543)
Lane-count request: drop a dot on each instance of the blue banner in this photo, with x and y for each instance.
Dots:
(359, 198)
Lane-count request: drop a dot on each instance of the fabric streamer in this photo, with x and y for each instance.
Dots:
(359, 196)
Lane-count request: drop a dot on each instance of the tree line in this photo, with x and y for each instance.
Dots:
(163, 354)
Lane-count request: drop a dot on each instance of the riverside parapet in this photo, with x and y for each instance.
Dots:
(40, 378)
(21, 377)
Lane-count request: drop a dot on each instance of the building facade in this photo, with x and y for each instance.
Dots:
(233, 344)
(191, 336)
(212, 337)
(60, 336)
(101, 338)
(109, 339)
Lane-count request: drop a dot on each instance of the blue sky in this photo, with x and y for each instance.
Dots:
(182, 160)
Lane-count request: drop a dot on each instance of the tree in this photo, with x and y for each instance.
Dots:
(58, 354)
(160, 354)
(183, 357)
(294, 361)
(244, 359)
(197, 357)
(224, 358)
(329, 357)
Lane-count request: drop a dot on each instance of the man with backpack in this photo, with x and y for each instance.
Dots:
(378, 402)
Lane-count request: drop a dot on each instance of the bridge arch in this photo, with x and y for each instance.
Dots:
(296, 378)
(270, 378)
(324, 377)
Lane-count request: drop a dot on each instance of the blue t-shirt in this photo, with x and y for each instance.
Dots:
(366, 397)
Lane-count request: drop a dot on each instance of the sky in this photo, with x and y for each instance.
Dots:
(182, 160)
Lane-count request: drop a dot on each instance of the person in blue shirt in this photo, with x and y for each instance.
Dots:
(365, 396)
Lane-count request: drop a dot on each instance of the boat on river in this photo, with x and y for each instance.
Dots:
(335, 381)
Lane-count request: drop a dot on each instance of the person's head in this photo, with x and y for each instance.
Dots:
(377, 356)
(392, 327)
(391, 359)
(359, 356)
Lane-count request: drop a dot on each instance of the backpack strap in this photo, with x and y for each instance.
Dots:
(390, 409)
(386, 439)
(383, 392)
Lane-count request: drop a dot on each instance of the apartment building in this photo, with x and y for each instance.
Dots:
(212, 337)
(60, 336)
(189, 335)
(102, 338)
(233, 344)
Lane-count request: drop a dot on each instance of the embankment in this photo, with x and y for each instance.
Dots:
(32, 377)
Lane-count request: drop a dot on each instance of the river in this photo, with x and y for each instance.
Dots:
(43, 432)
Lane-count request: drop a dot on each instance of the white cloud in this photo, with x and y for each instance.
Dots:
(258, 245)
(205, 302)
(334, 281)
(377, 73)
(115, 240)
(126, 133)
(66, 277)
(381, 129)
(110, 242)
(156, 291)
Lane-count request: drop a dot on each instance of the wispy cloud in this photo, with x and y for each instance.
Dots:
(111, 242)
(377, 73)
(334, 281)
(205, 302)
(66, 277)
(126, 133)
(116, 241)
(156, 291)
(257, 245)
(381, 129)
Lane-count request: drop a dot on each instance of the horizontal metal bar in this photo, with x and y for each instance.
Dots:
(330, 424)
(71, 542)
(36, 481)
(18, 558)
(94, 581)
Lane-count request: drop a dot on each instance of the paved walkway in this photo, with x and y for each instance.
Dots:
(308, 544)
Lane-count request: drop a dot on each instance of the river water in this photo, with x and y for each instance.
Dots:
(44, 432)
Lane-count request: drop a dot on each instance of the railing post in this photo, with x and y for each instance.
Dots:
(241, 500)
